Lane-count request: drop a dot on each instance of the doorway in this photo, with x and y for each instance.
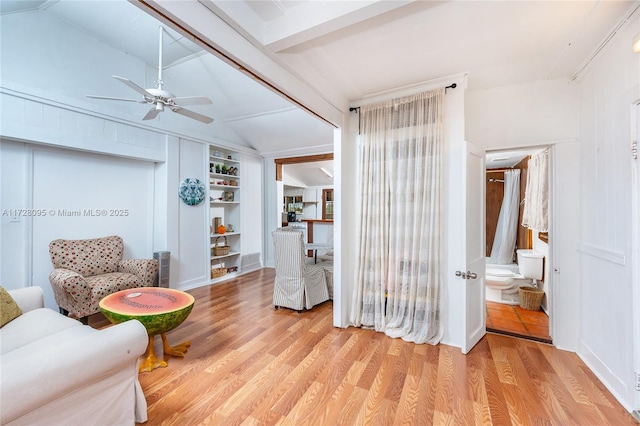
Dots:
(506, 313)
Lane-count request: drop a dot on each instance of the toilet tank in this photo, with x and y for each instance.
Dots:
(530, 264)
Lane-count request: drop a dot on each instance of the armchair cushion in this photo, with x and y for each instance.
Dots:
(87, 257)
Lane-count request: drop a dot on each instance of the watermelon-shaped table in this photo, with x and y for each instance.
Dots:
(160, 310)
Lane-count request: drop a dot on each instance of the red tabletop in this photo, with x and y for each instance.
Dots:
(146, 301)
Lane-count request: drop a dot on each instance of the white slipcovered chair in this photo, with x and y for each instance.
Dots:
(298, 284)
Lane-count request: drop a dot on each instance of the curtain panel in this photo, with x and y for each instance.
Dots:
(536, 194)
(399, 274)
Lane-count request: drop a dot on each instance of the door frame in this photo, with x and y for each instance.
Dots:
(635, 246)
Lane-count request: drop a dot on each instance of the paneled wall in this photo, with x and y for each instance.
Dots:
(609, 92)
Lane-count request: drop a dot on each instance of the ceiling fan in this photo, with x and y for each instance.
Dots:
(160, 98)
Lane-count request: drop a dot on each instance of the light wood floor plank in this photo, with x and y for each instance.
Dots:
(252, 365)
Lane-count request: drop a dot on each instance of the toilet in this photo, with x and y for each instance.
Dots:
(502, 284)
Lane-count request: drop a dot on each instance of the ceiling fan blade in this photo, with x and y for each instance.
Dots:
(193, 100)
(192, 114)
(153, 113)
(134, 86)
(115, 99)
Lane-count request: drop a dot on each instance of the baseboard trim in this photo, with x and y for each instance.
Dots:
(616, 386)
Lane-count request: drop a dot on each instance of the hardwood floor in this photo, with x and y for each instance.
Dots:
(518, 322)
(250, 364)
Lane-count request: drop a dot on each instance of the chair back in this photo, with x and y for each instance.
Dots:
(87, 257)
(288, 252)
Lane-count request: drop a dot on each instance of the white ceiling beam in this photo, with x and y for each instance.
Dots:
(317, 18)
(240, 52)
(240, 17)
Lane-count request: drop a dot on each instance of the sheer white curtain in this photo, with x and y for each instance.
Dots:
(400, 239)
(504, 242)
(536, 194)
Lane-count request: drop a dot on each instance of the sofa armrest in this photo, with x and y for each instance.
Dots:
(28, 298)
(34, 379)
(145, 269)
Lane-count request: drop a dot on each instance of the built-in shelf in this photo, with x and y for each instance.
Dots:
(231, 254)
(213, 159)
(223, 176)
(226, 234)
(228, 212)
(218, 186)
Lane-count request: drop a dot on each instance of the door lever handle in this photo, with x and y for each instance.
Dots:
(466, 275)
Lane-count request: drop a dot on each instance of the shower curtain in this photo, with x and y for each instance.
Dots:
(504, 242)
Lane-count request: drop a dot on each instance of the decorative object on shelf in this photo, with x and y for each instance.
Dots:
(218, 271)
(233, 171)
(222, 250)
(218, 168)
(217, 154)
(230, 228)
(192, 191)
(225, 169)
(233, 182)
(217, 221)
(229, 157)
(232, 269)
(221, 229)
(228, 196)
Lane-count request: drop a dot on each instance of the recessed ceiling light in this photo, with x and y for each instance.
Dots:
(500, 159)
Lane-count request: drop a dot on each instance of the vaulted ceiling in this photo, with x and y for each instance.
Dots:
(341, 51)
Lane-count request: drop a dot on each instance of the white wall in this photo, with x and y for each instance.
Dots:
(252, 209)
(608, 91)
(528, 114)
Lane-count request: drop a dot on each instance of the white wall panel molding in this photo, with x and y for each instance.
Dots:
(66, 123)
(35, 119)
(611, 256)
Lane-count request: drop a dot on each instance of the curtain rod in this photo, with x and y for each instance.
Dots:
(499, 170)
(352, 109)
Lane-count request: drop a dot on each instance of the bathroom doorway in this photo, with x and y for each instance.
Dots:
(506, 313)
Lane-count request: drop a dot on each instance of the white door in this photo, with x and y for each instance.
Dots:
(472, 276)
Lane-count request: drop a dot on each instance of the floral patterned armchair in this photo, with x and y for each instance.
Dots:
(85, 271)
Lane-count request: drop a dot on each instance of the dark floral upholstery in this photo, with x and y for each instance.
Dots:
(85, 271)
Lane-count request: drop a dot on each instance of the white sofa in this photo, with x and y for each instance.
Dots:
(57, 371)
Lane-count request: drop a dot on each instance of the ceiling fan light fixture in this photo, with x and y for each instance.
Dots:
(159, 106)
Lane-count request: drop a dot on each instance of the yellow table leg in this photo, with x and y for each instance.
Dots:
(177, 350)
(152, 361)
